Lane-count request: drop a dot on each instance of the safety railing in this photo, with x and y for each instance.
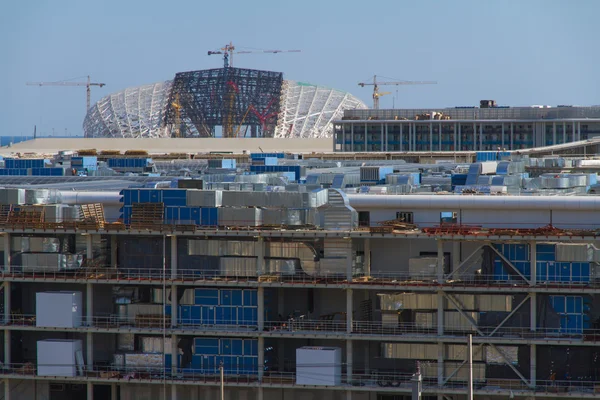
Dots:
(374, 380)
(301, 325)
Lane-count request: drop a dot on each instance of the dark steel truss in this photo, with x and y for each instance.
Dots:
(243, 102)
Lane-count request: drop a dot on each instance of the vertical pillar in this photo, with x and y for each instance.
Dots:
(260, 393)
(261, 357)
(533, 365)
(440, 137)
(261, 308)
(554, 133)
(173, 392)
(440, 364)
(533, 311)
(7, 252)
(113, 391)
(455, 254)
(480, 136)
(440, 261)
(173, 258)
(113, 251)
(512, 135)
(7, 301)
(502, 140)
(440, 313)
(7, 332)
(459, 137)
(474, 136)
(260, 255)
(89, 320)
(349, 309)
(349, 264)
(281, 311)
(470, 366)
(6, 389)
(367, 266)
(174, 355)
(349, 361)
(573, 130)
(431, 136)
(174, 305)
(564, 132)
(7, 347)
(533, 266)
(90, 391)
(89, 251)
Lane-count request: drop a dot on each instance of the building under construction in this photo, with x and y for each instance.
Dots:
(302, 279)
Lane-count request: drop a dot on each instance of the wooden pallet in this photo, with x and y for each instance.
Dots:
(147, 215)
(92, 216)
(26, 216)
(4, 212)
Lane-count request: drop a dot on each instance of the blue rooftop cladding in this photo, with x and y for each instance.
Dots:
(85, 162)
(256, 156)
(261, 169)
(25, 163)
(224, 163)
(491, 155)
(128, 162)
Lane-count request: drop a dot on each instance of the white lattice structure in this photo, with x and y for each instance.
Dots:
(139, 112)
(307, 110)
(136, 112)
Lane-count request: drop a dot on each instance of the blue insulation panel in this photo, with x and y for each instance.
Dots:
(209, 216)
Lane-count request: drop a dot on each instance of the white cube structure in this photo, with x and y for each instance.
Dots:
(58, 309)
(318, 366)
(56, 357)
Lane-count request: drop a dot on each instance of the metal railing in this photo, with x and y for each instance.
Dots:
(308, 326)
(365, 380)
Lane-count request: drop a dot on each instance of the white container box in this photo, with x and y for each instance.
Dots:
(58, 309)
(321, 366)
(57, 357)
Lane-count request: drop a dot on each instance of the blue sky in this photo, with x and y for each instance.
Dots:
(516, 52)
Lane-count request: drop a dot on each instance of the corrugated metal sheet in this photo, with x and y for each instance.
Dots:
(577, 252)
(337, 247)
(454, 321)
(340, 218)
(230, 216)
(204, 198)
(266, 199)
(142, 360)
(135, 309)
(426, 320)
(429, 370)
(237, 266)
(408, 301)
(493, 357)
(389, 320)
(33, 262)
(126, 342)
(422, 267)
(332, 266)
(36, 244)
(416, 351)
(281, 267)
(155, 344)
(459, 352)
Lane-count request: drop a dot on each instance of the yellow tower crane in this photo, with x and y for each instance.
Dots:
(87, 84)
(376, 84)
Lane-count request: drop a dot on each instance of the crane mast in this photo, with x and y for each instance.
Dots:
(376, 84)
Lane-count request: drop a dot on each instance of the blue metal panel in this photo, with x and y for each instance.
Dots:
(195, 215)
(237, 347)
(231, 297)
(206, 296)
(248, 315)
(575, 272)
(207, 346)
(225, 315)
(250, 347)
(585, 272)
(209, 216)
(184, 214)
(196, 314)
(185, 314)
(250, 297)
(208, 315)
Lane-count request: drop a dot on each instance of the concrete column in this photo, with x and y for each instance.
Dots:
(440, 261)
(113, 251)
(113, 391)
(480, 136)
(89, 304)
(261, 357)
(440, 312)
(440, 364)
(554, 133)
(7, 251)
(533, 311)
(6, 389)
(512, 135)
(349, 309)
(564, 132)
(173, 392)
(7, 347)
(459, 137)
(455, 255)
(532, 364)
(348, 394)
(349, 361)
(173, 257)
(89, 315)
(367, 266)
(89, 251)
(261, 308)
(90, 391)
(7, 301)
(174, 355)
(260, 255)
(533, 260)
(260, 393)
(431, 136)
(174, 305)
(574, 130)
(502, 140)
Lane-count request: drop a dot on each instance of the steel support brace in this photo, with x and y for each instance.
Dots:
(261, 358)
(459, 307)
(466, 261)
(261, 308)
(513, 312)
(440, 261)
(7, 252)
(349, 309)
(510, 264)
(516, 371)
(462, 364)
(533, 365)
(173, 258)
(260, 255)
(113, 251)
(174, 305)
(440, 364)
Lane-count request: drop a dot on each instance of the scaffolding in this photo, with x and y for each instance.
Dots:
(226, 99)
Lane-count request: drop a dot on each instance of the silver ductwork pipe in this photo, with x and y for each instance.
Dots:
(83, 197)
(447, 202)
